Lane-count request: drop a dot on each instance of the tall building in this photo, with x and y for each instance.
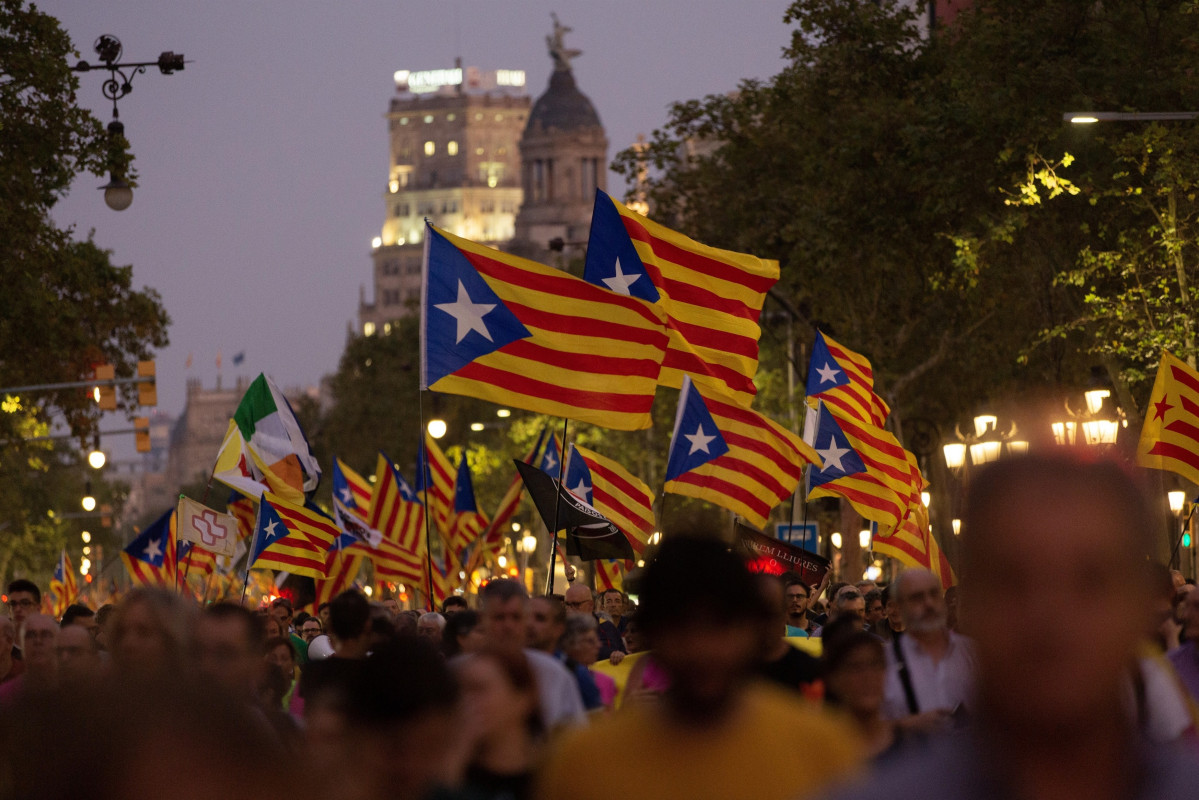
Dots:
(564, 155)
(454, 159)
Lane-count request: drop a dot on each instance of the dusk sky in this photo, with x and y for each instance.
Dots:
(262, 165)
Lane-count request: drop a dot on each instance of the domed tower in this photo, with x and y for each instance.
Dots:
(564, 158)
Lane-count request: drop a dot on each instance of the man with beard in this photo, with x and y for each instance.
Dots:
(930, 669)
(715, 732)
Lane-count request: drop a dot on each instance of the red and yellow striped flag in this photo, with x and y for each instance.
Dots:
(712, 298)
(435, 485)
(491, 542)
(395, 510)
(63, 585)
(733, 456)
(1170, 436)
(521, 334)
(912, 541)
(613, 491)
(150, 558)
(292, 538)
(352, 490)
(343, 569)
(844, 380)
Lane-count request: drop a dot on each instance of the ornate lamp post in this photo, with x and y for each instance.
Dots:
(118, 194)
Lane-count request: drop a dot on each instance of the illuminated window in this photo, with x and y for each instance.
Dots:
(478, 116)
(368, 329)
(403, 120)
(386, 328)
(499, 117)
(430, 148)
(452, 148)
(449, 117)
(428, 118)
(478, 151)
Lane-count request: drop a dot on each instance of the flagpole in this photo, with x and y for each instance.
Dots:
(250, 555)
(423, 458)
(557, 505)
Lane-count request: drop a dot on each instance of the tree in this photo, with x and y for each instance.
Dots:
(65, 307)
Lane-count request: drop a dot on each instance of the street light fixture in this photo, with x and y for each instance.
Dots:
(118, 194)
(1091, 117)
(1099, 421)
(437, 428)
(983, 445)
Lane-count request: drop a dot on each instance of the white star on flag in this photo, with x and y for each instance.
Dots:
(346, 495)
(581, 489)
(698, 440)
(828, 374)
(270, 529)
(550, 461)
(468, 314)
(620, 282)
(152, 552)
(832, 455)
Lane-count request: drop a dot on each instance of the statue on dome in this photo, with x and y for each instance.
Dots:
(558, 49)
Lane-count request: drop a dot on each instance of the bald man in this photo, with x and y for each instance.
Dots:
(579, 600)
(930, 669)
(1052, 716)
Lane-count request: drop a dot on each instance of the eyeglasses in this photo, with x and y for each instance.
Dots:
(21, 604)
(793, 597)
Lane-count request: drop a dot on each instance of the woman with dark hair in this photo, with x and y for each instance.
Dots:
(855, 669)
(500, 704)
(461, 634)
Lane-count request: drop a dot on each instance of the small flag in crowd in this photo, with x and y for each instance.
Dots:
(395, 510)
(733, 456)
(845, 381)
(351, 489)
(150, 557)
(613, 491)
(63, 585)
(589, 534)
(435, 484)
(211, 530)
(491, 543)
(1170, 436)
(518, 333)
(712, 298)
(291, 538)
(467, 522)
(551, 459)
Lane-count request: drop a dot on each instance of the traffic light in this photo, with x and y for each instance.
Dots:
(147, 387)
(106, 396)
(141, 428)
(1186, 540)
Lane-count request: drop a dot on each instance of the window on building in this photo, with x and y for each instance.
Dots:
(450, 117)
(413, 267)
(430, 148)
(537, 184)
(368, 329)
(588, 176)
(428, 118)
(452, 148)
(391, 297)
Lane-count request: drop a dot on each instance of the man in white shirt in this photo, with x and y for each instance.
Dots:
(503, 621)
(930, 669)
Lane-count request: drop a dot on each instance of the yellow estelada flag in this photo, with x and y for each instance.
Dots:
(1170, 435)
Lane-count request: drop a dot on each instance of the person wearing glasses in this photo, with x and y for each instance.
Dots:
(24, 598)
(311, 629)
(579, 600)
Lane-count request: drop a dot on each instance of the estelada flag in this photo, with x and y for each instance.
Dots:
(150, 558)
(733, 456)
(712, 297)
(1170, 436)
(351, 489)
(613, 491)
(292, 538)
(518, 333)
(845, 381)
(63, 586)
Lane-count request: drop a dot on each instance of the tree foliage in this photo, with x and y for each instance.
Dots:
(64, 307)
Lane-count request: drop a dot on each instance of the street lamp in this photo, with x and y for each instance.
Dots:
(1099, 421)
(118, 194)
(437, 428)
(983, 445)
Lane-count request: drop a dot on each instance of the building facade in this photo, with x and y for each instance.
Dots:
(454, 160)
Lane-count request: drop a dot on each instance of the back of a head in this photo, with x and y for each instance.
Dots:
(75, 611)
(25, 585)
(1042, 537)
(502, 591)
(254, 631)
(349, 615)
(694, 579)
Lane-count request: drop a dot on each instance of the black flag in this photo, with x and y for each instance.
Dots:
(589, 534)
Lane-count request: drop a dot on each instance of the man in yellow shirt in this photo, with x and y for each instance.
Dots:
(714, 733)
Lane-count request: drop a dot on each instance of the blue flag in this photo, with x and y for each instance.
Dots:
(550, 460)
(578, 476)
(838, 455)
(612, 260)
(696, 438)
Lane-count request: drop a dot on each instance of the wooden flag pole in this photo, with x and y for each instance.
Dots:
(557, 505)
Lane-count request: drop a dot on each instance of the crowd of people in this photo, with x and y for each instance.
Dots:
(1072, 670)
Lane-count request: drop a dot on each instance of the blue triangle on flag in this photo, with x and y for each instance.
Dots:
(150, 545)
(612, 260)
(696, 439)
(270, 529)
(578, 476)
(341, 487)
(834, 449)
(464, 489)
(550, 459)
(824, 371)
(464, 318)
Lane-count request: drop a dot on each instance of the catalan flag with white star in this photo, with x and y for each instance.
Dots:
(612, 490)
(521, 334)
(435, 485)
(351, 489)
(733, 456)
(63, 586)
(712, 298)
(150, 557)
(844, 380)
(292, 538)
(395, 509)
